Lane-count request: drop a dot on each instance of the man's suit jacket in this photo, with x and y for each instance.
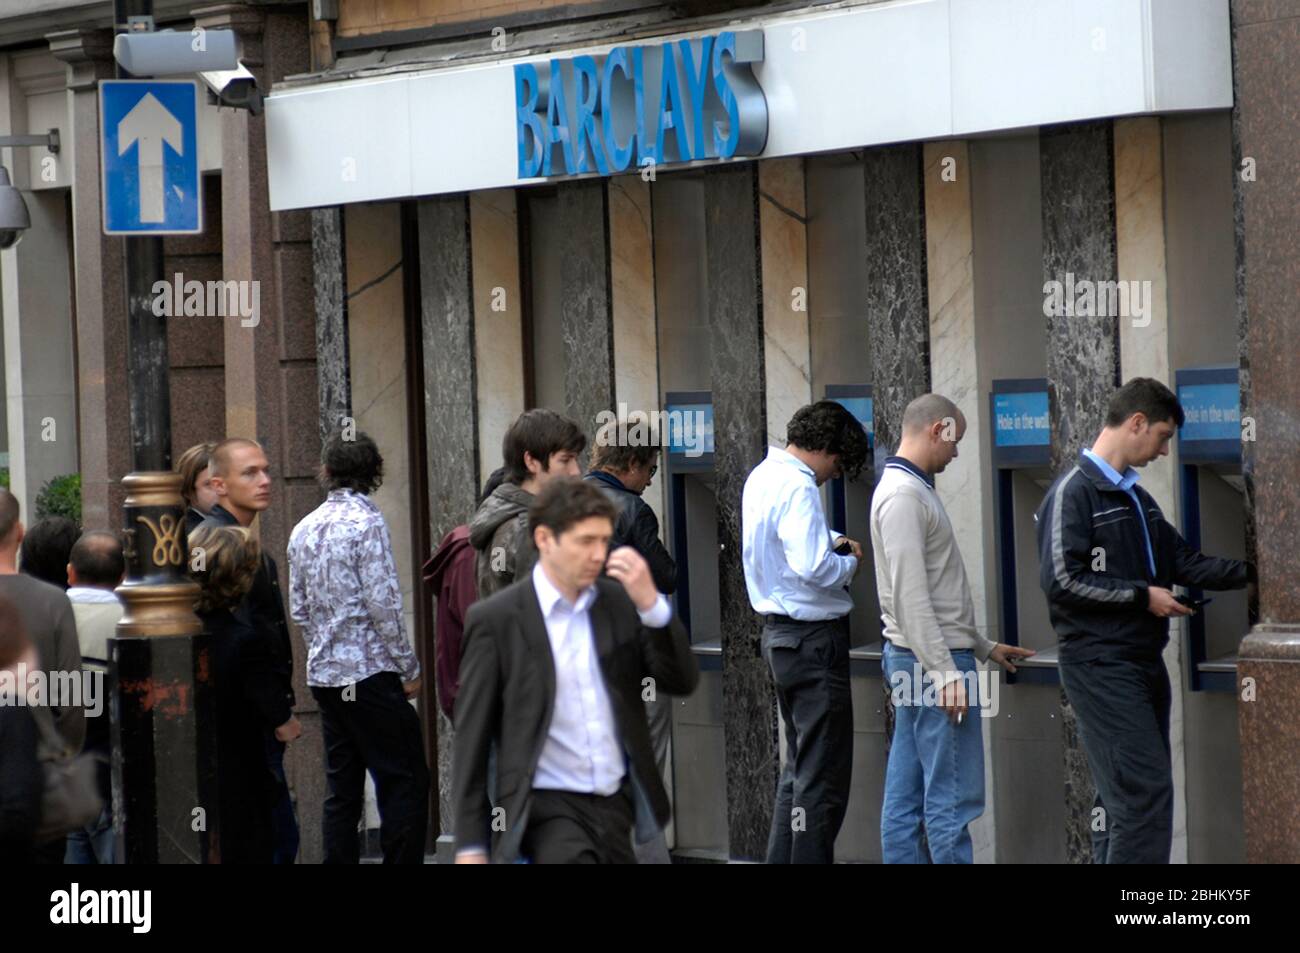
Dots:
(507, 696)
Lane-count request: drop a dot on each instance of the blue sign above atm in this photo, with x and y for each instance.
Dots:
(1021, 420)
(686, 100)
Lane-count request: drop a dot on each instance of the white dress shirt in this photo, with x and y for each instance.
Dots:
(582, 752)
(790, 568)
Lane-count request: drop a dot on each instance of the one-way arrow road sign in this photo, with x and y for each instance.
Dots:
(149, 156)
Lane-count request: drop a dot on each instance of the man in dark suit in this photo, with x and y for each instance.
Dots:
(553, 674)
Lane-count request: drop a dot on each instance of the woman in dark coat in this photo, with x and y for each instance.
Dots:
(21, 780)
(249, 702)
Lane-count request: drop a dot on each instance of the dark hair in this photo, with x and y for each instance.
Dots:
(494, 480)
(97, 558)
(1147, 396)
(539, 432)
(231, 558)
(46, 548)
(828, 426)
(13, 634)
(354, 464)
(191, 466)
(567, 501)
(8, 512)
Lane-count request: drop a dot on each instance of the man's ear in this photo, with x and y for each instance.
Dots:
(540, 534)
(531, 464)
(71, 574)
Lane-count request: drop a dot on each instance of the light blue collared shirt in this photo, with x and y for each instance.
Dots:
(1126, 482)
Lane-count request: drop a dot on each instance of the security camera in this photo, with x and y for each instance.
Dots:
(234, 87)
(14, 219)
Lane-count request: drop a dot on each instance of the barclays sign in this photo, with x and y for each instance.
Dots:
(681, 101)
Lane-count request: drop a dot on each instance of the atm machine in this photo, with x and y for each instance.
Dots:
(848, 511)
(691, 533)
(1022, 474)
(1026, 753)
(1213, 501)
(1213, 520)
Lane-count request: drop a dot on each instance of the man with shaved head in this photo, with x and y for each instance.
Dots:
(935, 776)
(241, 477)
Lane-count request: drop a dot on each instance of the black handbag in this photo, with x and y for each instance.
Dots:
(71, 798)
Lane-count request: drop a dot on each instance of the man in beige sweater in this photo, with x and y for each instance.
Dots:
(935, 775)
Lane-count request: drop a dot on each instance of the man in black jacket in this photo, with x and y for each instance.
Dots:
(241, 478)
(1108, 560)
(552, 675)
(623, 472)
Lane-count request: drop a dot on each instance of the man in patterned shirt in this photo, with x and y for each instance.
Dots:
(361, 668)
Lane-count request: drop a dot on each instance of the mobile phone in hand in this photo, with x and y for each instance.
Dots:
(844, 548)
(1194, 604)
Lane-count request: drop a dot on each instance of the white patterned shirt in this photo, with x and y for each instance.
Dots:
(344, 593)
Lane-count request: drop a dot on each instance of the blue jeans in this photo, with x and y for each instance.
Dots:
(92, 844)
(935, 775)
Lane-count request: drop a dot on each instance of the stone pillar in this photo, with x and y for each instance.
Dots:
(36, 299)
(632, 289)
(330, 278)
(1144, 352)
(498, 320)
(735, 305)
(956, 373)
(105, 452)
(586, 315)
(787, 352)
(270, 359)
(1078, 189)
(450, 408)
(898, 318)
(1266, 42)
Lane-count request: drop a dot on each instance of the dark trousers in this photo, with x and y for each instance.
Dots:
(284, 823)
(568, 828)
(810, 668)
(379, 731)
(1123, 712)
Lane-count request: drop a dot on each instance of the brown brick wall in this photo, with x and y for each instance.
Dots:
(360, 17)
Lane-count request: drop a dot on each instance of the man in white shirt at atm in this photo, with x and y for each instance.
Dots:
(797, 583)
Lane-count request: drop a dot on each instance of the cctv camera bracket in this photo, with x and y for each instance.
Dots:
(50, 141)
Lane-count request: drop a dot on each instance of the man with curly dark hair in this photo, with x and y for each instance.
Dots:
(345, 593)
(797, 572)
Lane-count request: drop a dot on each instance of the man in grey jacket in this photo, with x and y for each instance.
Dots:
(540, 446)
(935, 775)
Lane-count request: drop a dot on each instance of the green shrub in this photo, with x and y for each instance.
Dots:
(61, 497)
(4, 477)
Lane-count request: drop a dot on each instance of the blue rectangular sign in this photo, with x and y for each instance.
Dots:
(1021, 419)
(149, 157)
(1212, 412)
(861, 408)
(689, 429)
